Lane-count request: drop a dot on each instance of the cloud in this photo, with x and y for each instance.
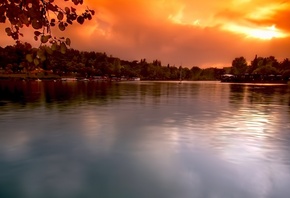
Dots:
(183, 32)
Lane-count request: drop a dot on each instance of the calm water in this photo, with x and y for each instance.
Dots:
(144, 140)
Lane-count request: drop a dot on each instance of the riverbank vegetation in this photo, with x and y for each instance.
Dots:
(260, 65)
(15, 60)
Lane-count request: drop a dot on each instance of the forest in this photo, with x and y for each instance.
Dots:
(18, 59)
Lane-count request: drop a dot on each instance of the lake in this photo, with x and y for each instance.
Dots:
(144, 140)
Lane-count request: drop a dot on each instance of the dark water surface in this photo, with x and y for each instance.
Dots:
(144, 140)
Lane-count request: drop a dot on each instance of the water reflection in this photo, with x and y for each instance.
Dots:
(144, 139)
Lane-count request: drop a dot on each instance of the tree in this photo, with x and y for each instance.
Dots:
(285, 65)
(256, 63)
(266, 70)
(266, 66)
(117, 67)
(41, 15)
(239, 65)
(271, 61)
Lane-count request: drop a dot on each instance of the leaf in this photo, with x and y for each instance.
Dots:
(73, 9)
(51, 7)
(67, 10)
(41, 55)
(24, 19)
(54, 46)
(39, 52)
(60, 16)
(49, 50)
(45, 38)
(13, 21)
(67, 41)
(15, 36)
(8, 31)
(37, 33)
(36, 24)
(29, 58)
(89, 17)
(36, 61)
(69, 21)
(61, 26)
(2, 19)
(80, 20)
(62, 48)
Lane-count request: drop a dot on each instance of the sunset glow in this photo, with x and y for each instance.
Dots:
(265, 33)
(196, 33)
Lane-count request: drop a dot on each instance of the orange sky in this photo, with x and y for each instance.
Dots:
(204, 33)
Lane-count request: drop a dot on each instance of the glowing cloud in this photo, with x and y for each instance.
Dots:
(264, 33)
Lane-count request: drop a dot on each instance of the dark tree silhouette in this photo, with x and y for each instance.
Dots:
(41, 15)
(239, 65)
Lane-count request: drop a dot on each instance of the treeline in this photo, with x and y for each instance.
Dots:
(260, 65)
(22, 58)
(16, 59)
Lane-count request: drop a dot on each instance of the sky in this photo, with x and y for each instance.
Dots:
(203, 33)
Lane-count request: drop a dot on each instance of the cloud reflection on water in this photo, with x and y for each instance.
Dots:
(156, 139)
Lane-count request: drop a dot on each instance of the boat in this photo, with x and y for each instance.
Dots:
(82, 79)
(136, 79)
(69, 79)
